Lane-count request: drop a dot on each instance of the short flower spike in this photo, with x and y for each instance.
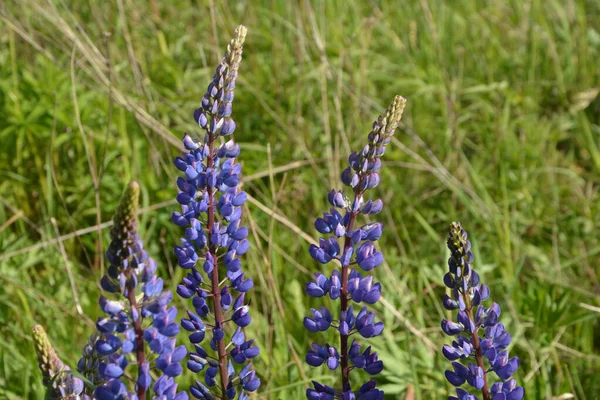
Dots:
(348, 244)
(480, 339)
(138, 318)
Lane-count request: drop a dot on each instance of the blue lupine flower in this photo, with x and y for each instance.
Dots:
(348, 244)
(214, 239)
(481, 340)
(137, 316)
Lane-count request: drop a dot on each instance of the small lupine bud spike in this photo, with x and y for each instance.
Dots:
(478, 334)
(48, 361)
(125, 219)
(138, 320)
(58, 379)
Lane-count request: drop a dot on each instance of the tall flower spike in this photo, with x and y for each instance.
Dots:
(211, 210)
(138, 320)
(480, 340)
(60, 382)
(347, 284)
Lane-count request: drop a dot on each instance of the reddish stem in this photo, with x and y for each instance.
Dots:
(478, 354)
(139, 340)
(216, 292)
(344, 306)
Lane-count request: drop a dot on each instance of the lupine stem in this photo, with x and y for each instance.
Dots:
(477, 346)
(216, 292)
(468, 293)
(344, 306)
(139, 341)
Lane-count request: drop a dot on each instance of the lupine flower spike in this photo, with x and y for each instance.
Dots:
(138, 322)
(60, 382)
(480, 341)
(346, 283)
(211, 210)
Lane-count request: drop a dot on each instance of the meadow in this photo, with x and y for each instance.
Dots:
(501, 132)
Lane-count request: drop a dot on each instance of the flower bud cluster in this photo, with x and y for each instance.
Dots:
(480, 339)
(211, 211)
(351, 246)
(58, 379)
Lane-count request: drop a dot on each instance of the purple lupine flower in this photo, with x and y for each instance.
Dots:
(211, 210)
(138, 317)
(480, 340)
(59, 381)
(349, 245)
(89, 363)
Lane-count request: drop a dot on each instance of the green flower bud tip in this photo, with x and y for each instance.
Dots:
(125, 219)
(49, 362)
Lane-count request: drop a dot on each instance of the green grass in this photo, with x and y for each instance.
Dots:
(500, 132)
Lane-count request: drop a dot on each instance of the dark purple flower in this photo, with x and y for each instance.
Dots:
(136, 311)
(348, 245)
(480, 339)
(214, 239)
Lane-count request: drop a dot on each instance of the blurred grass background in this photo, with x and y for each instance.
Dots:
(500, 132)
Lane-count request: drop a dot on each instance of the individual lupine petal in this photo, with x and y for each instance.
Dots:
(321, 320)
(491, 315)
(373, 365)
(112, 390)
(189, 143)
(199, 391)
(458, 376)
(338, 199)
(461, 348)
(505, 367)
(347, 176)
(197, 359)
(367, 257)
(144, 380)
(320, 392)
(249, 381)
(210, 376)
(496, 337)
(320, 354)
(363, 289)
(335, 285)
(368, 391)
(449, 303)
(507, 391)
(462, 395)
(241, 316)
(372, 207)
(326, 250)
(372, 232)
(168, 363)
(475, 376)
(347, 321)
(466, 322)
(108, 346)
(238, 337)
(241, 284)
(113, 367)
(319, 287)
(365, 324)
(244, 352)
(129, 343)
